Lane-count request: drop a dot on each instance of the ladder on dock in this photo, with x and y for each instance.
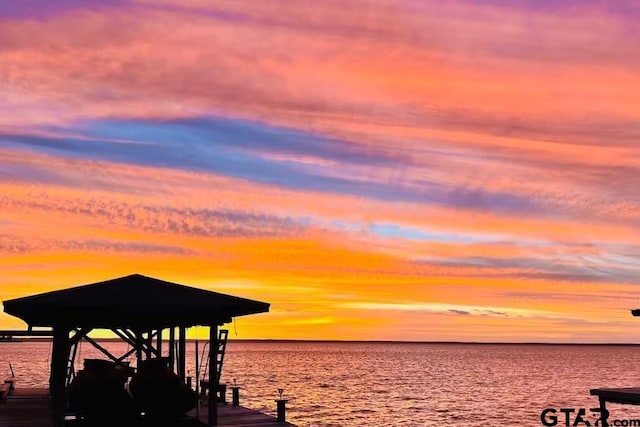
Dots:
(71, 364)
(223, 334)
(218, 353)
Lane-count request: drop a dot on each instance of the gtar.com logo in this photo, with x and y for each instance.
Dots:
(574, 417)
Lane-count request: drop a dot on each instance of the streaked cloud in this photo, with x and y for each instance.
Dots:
(466, 170)
(11, 244)
(449, 308)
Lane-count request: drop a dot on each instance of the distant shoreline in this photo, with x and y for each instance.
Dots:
(312, 341)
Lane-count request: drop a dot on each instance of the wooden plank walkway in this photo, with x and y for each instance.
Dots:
(26, 408)
(240, 416)
(31, 408)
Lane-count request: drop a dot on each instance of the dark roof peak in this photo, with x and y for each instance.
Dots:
(135, 300)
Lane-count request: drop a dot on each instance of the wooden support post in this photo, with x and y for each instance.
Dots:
(182, 352)
(159, 342)
(138, 349)
(604, 414)
(197, 374)
(57, 385)
(172, 349)
(147, 345)
(235, 395)
(213, 376)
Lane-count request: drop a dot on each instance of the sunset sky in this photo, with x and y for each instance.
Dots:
(375, 169)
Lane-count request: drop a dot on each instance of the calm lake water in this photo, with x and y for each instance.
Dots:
(354, 384)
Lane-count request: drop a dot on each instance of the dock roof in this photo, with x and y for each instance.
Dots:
(133, 301)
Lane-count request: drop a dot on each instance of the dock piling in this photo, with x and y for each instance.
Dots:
(281, 406)
(282, 410)
(235, 393)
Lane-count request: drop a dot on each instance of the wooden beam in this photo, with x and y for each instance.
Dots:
(150, 349)
(102, 349)
(57, 384)
(27, 333)
(131, 334)
(127, 354)
(125, 337)
(78, 335)
(138, 346)
(213, 377)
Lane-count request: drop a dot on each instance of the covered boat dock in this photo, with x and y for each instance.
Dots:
(138, 309)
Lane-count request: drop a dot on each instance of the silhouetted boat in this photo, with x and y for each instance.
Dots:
(160, 392)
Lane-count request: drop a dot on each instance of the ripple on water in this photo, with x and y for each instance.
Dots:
(398, 384)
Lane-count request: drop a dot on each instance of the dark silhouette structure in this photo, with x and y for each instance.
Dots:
(137, 309)
(624, 396)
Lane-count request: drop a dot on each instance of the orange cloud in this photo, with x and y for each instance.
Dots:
(510, 134)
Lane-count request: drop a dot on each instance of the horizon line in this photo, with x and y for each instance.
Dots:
(288, 340)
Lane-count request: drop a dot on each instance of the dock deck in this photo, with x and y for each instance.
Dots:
(623, 396)
(32, 408)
